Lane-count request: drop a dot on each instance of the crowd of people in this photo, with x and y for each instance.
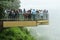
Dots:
(34, 14)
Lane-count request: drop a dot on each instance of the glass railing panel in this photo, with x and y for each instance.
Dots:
(23, 17)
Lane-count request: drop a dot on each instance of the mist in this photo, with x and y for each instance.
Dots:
(52, 30)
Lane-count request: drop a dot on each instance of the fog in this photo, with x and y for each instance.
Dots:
(51, 31)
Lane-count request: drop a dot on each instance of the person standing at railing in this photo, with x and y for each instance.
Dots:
(29, 14)
(45, 14)
(9, 15)
(37, 15)
(41, 14)
(24, 11)
(33, 12)
(16, 14)
(6, 16)
(20, 13)
(13, 14)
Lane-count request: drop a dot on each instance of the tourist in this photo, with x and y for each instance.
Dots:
(29, 14)
(24, 11)
(33, 12)
(41, 14)
(37, 15)
(45, 14)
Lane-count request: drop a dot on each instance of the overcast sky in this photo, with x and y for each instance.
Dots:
(40, 4)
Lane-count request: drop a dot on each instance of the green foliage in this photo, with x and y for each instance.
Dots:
(1, 12)
(10, 4)
(15, 34)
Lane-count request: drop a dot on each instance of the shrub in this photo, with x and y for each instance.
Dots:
(15, 34)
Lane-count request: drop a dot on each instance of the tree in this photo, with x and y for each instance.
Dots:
(1, 11)
(7, 4)
(15, 34)
(10, 4)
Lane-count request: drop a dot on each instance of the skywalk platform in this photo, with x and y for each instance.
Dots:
(24, 23)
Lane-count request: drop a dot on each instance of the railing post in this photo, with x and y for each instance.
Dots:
(1, 25)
